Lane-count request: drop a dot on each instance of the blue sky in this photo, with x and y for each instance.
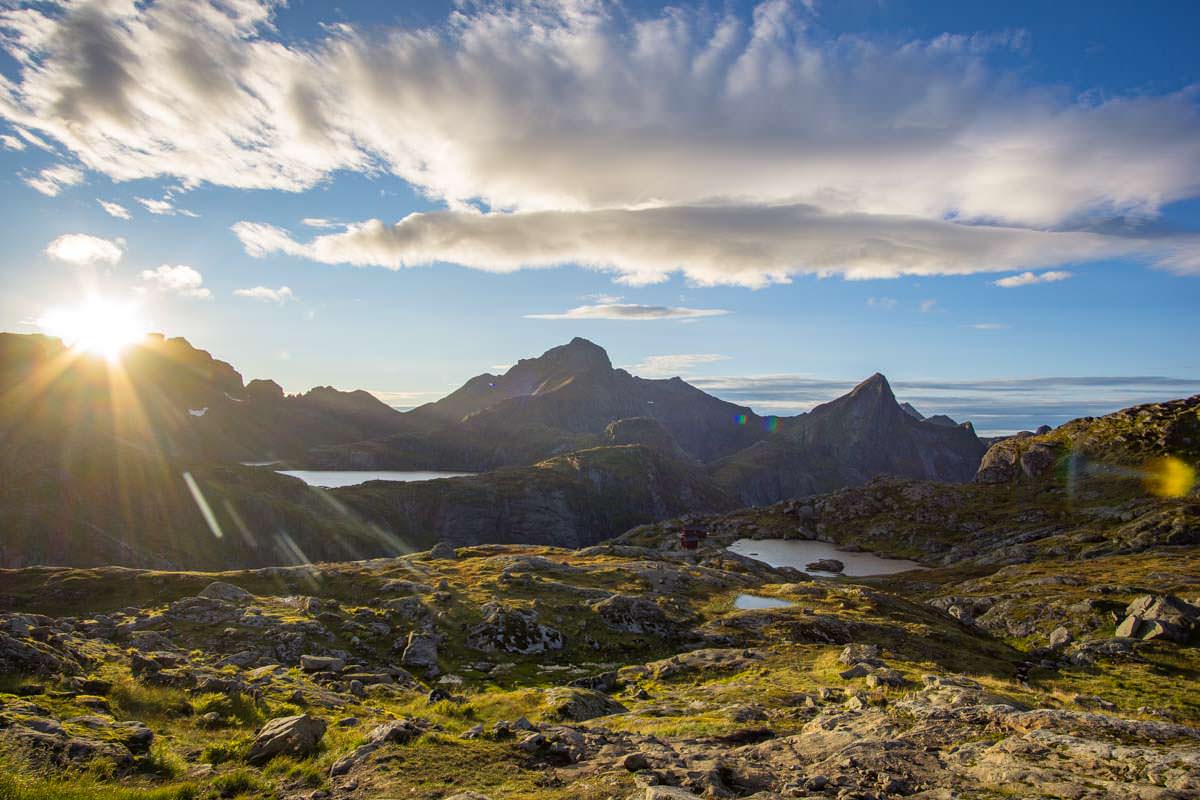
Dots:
(844, 183)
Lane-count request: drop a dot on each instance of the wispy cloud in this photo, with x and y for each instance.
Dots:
(178, 279)
(676, 364)
(11, 142)
(115, 209)
(319, 222)
(555, 118)
(164, 207)
(53, 180)
(266, 294)
(929, 306)
(989, 326)
(631, 311)
(885, 303)
(83, 249)
(1026, 278)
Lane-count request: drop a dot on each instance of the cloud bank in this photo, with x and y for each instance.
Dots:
(565, 122)
(631, 311)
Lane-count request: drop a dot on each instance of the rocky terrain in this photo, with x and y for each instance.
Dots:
(1049, 650)
(612, 671)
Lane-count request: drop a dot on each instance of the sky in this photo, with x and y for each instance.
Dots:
(997, 205)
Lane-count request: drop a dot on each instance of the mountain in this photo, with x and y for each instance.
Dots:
(846, 442)
(573, 500)
(558, 402)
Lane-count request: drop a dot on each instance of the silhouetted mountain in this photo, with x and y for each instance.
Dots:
(846, 442)
(560, 401)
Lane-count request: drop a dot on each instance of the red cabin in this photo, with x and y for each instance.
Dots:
(690, 538)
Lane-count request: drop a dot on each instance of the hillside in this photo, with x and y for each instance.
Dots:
(572, 500)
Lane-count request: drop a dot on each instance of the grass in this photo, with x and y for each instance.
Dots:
(16, 784)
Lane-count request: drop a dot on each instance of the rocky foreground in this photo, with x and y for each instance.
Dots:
(609, 672)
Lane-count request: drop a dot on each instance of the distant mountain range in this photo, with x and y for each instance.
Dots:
(571, 451)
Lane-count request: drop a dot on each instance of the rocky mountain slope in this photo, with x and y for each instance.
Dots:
(846, 442)
(572, 500)
(520, 672)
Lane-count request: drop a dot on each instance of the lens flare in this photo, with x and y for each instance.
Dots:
(770, 424)
(100, 326)
(740, 419)
(1169, 477)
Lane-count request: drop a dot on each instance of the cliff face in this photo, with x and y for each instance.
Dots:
(573, 500)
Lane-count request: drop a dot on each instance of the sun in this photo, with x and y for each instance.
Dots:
(101, 326)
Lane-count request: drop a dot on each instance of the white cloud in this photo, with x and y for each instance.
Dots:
(929, 306)
(319, 222)
(11, 142)
(1026, 278)
(267, 294)
(671, 365)
(114, 209)
(631, 311)
(711, 245)
(989, 326)
(176, 279)
(83, 249)
(52, 180)
(581, 110)
(164, 207)
(886, 303)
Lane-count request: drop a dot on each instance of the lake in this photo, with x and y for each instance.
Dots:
(333, 478)
(748, 602)
(798, 552)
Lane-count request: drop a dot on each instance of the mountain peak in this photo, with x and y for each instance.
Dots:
(876, 385)
(578, 355)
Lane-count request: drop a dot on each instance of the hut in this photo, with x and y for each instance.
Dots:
(690, 538)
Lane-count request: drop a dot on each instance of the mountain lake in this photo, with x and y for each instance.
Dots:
(798, 552)
(333, 478)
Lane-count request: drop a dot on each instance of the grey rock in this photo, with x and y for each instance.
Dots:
(220, 590)
(293, 736)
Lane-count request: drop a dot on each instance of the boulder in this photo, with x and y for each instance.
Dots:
(421, 652)
(219, 590)
(573, 704)
(825, 565)
(321, 663)
(293, 736)
(1060, 637)
(1162, 617)
(443, 550)
(512, 630)
(632, 614)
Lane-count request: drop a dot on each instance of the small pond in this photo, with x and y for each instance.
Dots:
(748, 602)
(799, 552)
